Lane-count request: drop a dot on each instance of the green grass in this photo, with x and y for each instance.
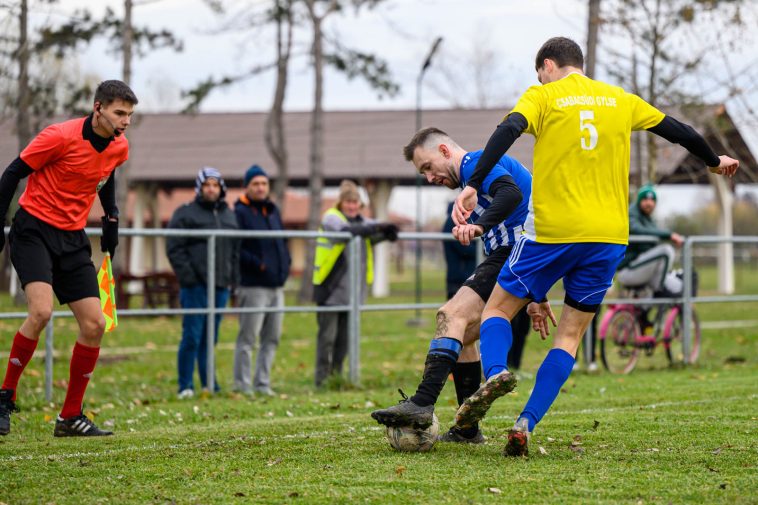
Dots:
(660, 435)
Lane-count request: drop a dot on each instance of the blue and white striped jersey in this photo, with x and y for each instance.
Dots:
(506, 232)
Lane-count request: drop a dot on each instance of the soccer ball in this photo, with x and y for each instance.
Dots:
(410, 439)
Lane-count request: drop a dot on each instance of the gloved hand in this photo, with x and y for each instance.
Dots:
(389, 230)
(109, 239)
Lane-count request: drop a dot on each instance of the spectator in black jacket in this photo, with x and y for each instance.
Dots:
(189, 259)
(264, 268)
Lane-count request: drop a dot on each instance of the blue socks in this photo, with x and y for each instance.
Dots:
(551, 376)
(495, 339)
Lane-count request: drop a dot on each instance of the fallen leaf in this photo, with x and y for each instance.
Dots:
(369, 404)
(48, 418)
(494, 490)
(595, 425)
(31, 372)
(543, 451)
(713, 470)
(399, 470)
(716, 451)
(289, 414)
(294, 494)
(273, 462)
(239, 493)
(578, 439)
(550, 439)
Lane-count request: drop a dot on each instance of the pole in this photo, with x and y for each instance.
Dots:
(687, 299)
(354, 273)
(210, 323)
(417, 321)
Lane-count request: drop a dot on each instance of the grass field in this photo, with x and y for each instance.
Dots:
(660, 435)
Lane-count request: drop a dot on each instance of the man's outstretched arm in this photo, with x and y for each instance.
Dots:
(677, 132)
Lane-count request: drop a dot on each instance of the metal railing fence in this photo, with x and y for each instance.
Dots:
(355, 306)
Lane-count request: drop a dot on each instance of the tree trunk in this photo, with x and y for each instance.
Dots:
(317, 151)
(275, 139)
(132, 245)
(652, 147)
(593, 25)
(23, 125)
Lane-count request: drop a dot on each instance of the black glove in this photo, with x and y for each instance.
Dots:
(109, 239)
(389, 230)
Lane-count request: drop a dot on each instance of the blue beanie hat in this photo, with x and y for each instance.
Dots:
(253, 171)
(206, 173)
(646, 191)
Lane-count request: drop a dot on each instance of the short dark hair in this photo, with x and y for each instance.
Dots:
(420, 139)
(563, 51)
(109, 91)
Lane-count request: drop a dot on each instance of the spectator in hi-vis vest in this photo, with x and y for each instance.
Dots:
(330, 279)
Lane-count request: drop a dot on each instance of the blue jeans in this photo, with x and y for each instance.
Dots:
(193, 346)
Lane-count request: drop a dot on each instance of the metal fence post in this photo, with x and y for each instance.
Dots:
(210, 324)
(587, 344)
(354, 316)
(687, 299)
(49, 360)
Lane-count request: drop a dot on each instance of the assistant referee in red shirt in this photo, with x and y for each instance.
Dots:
(67, 164)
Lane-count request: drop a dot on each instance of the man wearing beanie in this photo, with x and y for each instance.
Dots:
(189, 259)
(264, 268)
(330, 280)
(646, 264)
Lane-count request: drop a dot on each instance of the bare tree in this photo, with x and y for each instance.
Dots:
(276, 140)
(482, 84)
(667, 45)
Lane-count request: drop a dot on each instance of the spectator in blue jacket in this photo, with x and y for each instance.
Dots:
(264, 268)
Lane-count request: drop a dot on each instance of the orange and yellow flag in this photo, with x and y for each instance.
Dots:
(107, 296)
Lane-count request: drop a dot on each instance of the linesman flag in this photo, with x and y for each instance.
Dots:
(107, 297)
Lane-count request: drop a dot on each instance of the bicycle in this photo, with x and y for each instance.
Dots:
(622, 339)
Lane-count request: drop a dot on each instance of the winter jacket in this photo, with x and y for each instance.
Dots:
(264, 262)
(641, 224)
(189, 255)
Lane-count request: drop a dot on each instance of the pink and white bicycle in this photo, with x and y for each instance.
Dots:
(623, 340)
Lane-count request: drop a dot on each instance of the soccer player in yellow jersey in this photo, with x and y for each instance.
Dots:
(577, 227)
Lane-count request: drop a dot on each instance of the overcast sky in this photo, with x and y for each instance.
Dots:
(400, 31)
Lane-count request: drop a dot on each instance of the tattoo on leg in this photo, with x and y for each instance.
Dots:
(441, 325)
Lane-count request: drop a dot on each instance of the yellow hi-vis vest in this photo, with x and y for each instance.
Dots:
(328, 252)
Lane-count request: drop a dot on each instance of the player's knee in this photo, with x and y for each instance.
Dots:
(40, 316)
(451, 312)
(93, 328)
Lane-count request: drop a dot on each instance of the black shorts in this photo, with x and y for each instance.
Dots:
(484, 278)
(43, 253)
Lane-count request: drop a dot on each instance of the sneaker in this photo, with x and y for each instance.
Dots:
(592, 367)
(454, 435)
(518, 439)
(79, 426)
(185, 394)
(265, 391)
(405, 413)
(7, 407)
(473, 409)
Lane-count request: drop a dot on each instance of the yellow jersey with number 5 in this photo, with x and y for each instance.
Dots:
(580, 187)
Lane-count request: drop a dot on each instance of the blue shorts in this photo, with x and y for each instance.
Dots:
(586, 268)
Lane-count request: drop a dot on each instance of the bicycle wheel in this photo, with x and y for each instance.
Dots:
(673, 334)
(617, 341)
